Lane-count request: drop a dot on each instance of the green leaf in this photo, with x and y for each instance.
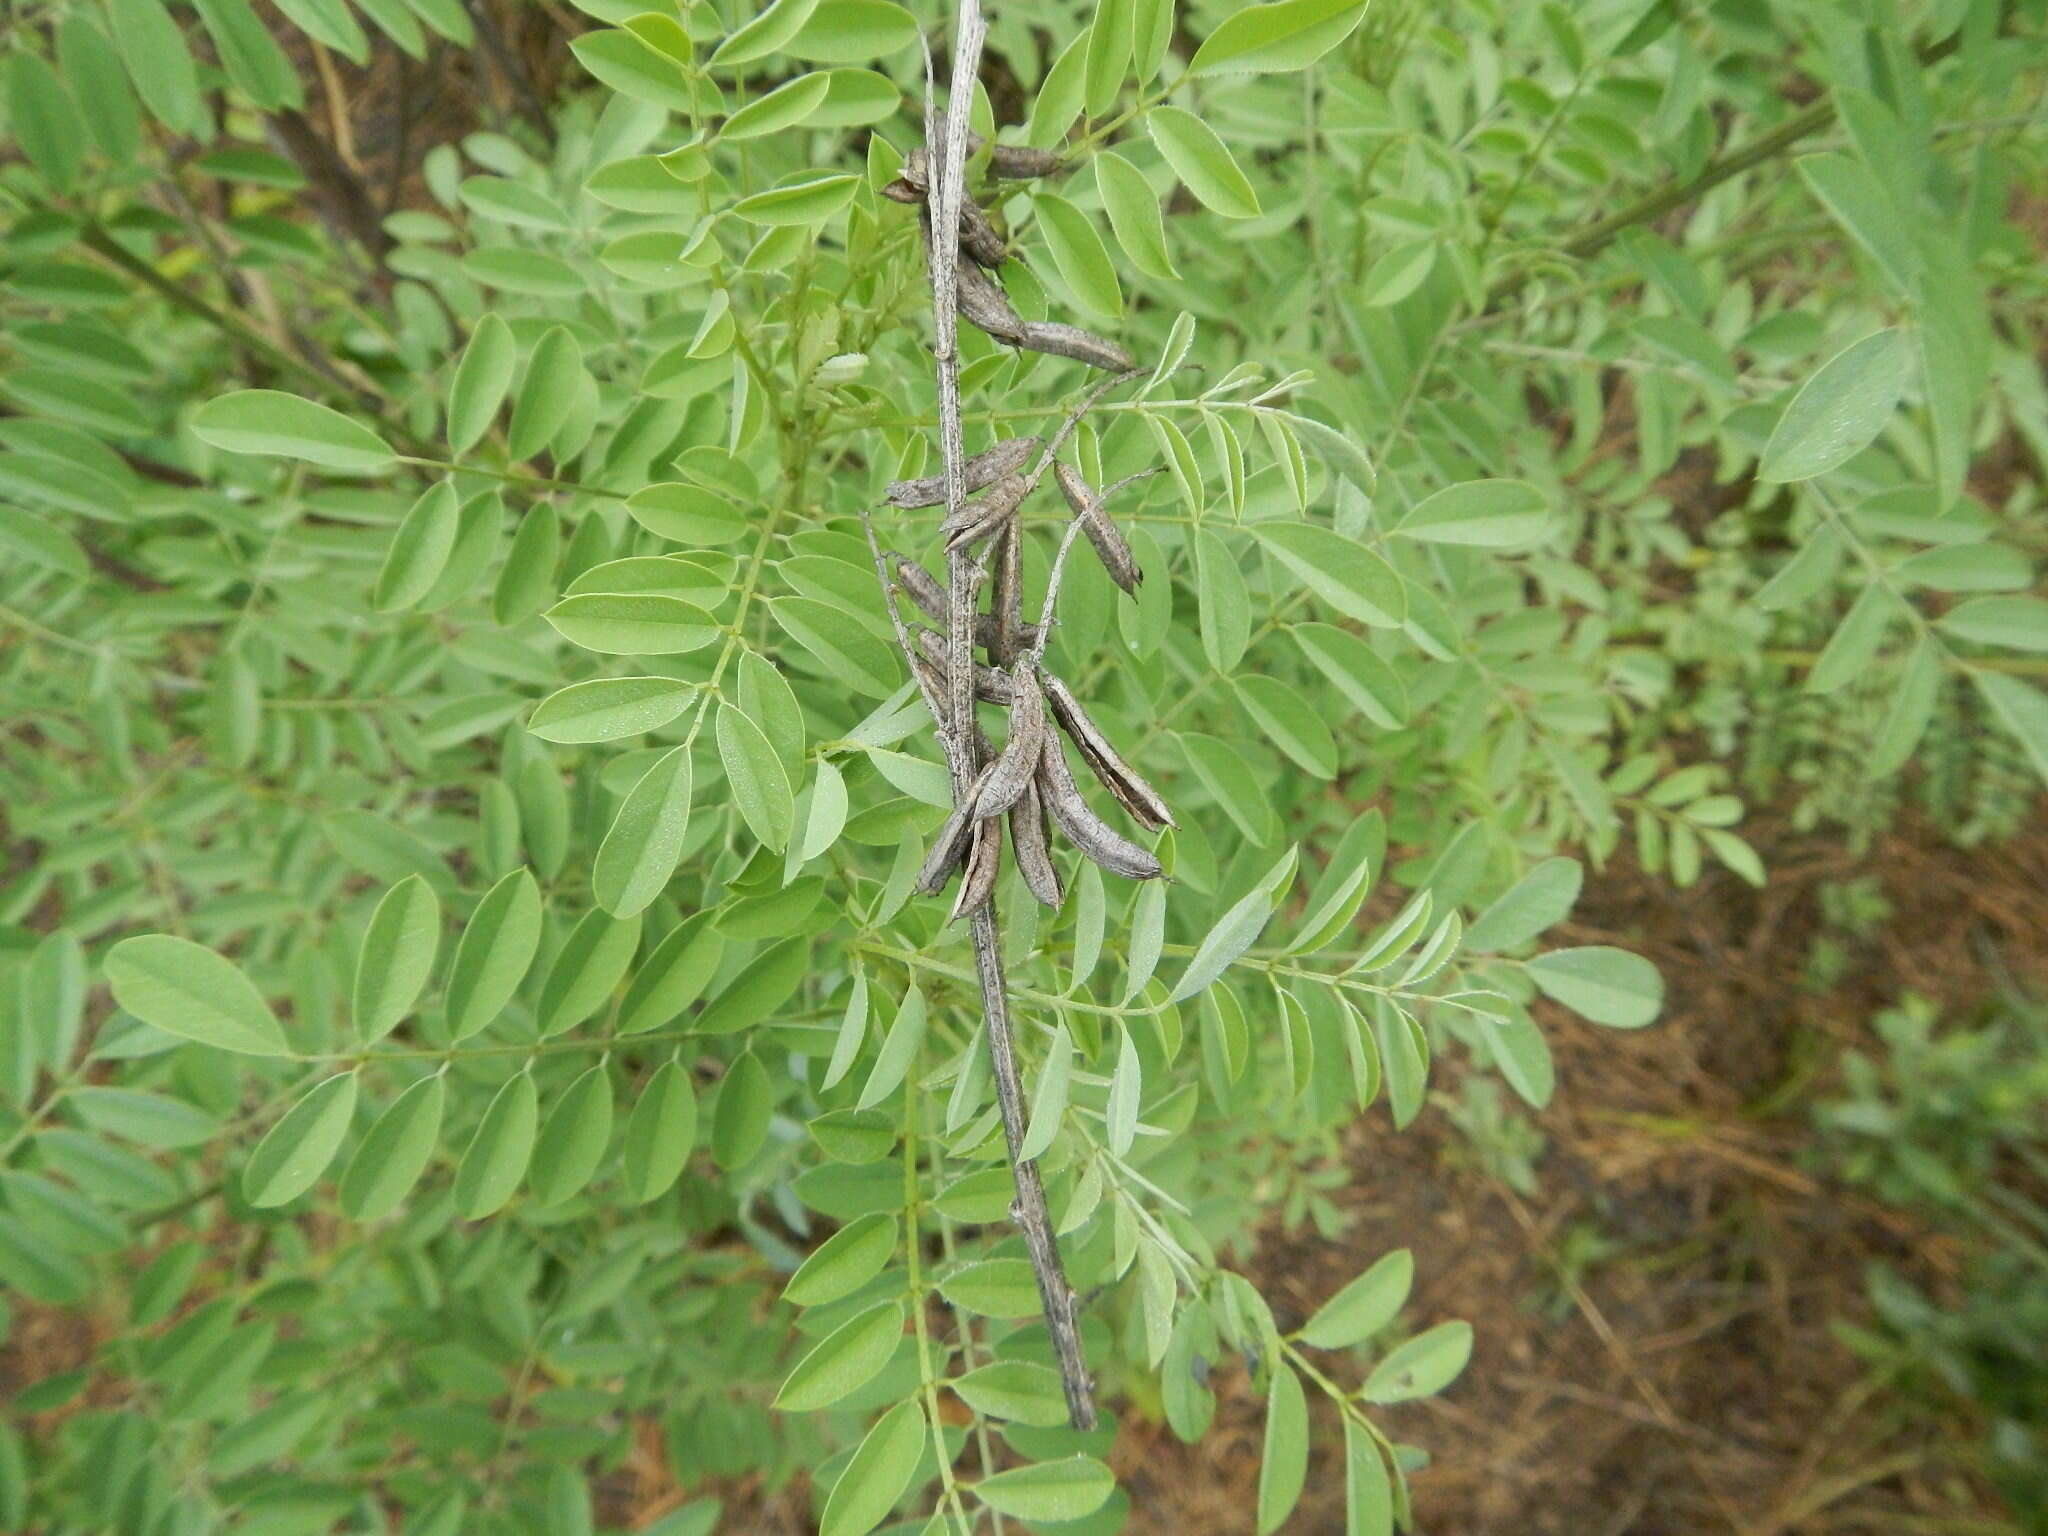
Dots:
(1422, 1367)
(1368, 1495)
(1541, 898)
(899, 1050)
(993, 1288)
(395, 1152)
(878, 1474)
(1049, 1102)
(1236, 930)
(1202, 162)
(187, 990)
(852, 32)
(1490, 514)
(634, 69)
(492, 957)
(396, 958)
(775, 28)
(271, 423)
(640, 852)
(586, 970)
(760, 788)
(1134, 214)
(2022, 709)
(45, 120)
(546, 395)
(152, 1119)
(687, 514)
(1609, 986)
(1262, 39)
(810, 200)
(1283, 1463)
(607, 708)
(1126, 1090)
(527, 579)
(419, 550)
(1071, 1488)
(153, 47)
(572, 1142)
(2017, 623)
(1020, 1391)
(763, 986)
(1079, 255)
(779, 110)
(1397, 273)
(659, 1134)
(739, 1120)
(1860, 204)
(1357, 671)
(843, 646)
(499, 1151)
(1840, 410)
(1365, 1306)
(1109, 55)
(844, 1262)
(633, 623)
(1905, 722)
(1344, 573)
(846, 1360)
(1290, 722)
(291, 1158)
(252, 58)
(481, 381)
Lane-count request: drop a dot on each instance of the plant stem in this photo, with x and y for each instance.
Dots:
(942, 221)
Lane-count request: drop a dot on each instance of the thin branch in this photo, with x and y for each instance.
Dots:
(941, 226)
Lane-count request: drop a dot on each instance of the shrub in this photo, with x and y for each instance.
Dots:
(453, 710)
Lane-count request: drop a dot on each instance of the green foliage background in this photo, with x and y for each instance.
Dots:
(462, 996)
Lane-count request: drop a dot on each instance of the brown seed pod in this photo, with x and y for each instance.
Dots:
(920, 586)
(987, 513)
(1019, 162)
(978, 237)
(990, 685)
(1006, 592)
(951, 845)
(1068, 341)
(1012, 772)
(1108, 541)
(984, 863)
(1089, 832)
(1031, 842)
(979, 472)
(983, 301)
(1144, 803)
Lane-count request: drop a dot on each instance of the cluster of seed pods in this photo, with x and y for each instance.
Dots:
(1028, 783)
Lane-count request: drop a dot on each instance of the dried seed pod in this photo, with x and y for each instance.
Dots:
(983, 301)
(1069, 341)
(1108, 540)
(1123, 781)
(979, 472)
(984, 863)
(1030, 841)
(1011, 774)
(990, 685)
(1089, 832)
(1006, 596)
(951, 845)
(978, 237)
(985, 514)
(1019, 162)
(920, 586)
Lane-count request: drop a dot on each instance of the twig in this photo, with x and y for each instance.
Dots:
(941, 225)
